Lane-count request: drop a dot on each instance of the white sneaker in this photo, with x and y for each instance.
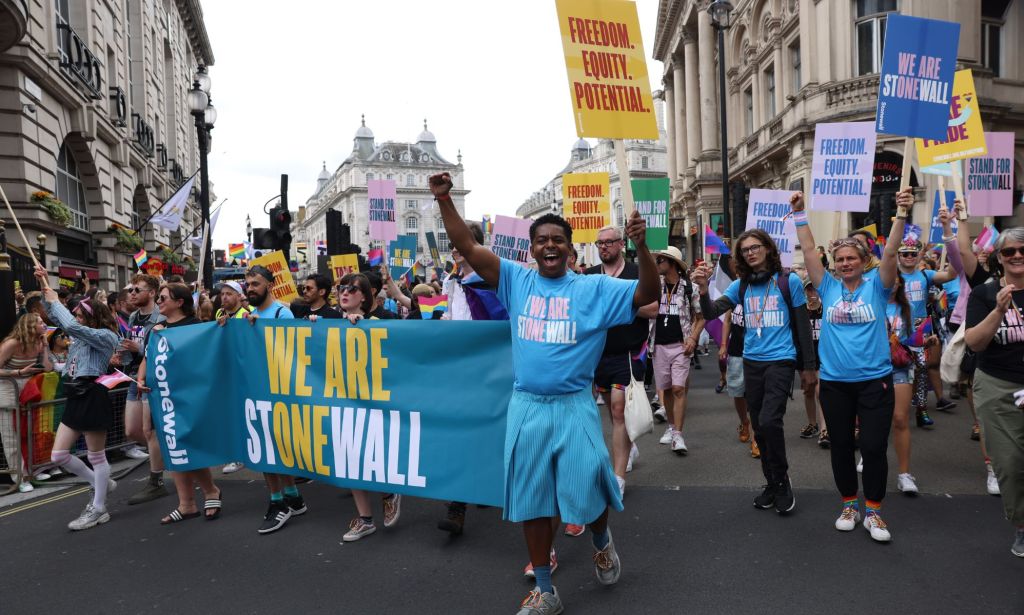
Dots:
(599, 400)
(232, 467)
(90, 517)
(25, 487)
(136, 452)
(860, 465)
(678, 446)
(877, 528)
(358, 529)
(991, 483)
(906, 484)
(848, 519)
(666, 438)
(622, 486)
(42, 476)
(660, 416)
(634, 454)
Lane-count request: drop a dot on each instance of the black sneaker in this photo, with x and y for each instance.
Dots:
(954, 393)
(455, 519)
(785, 499)
(923, 420)
(809, 431)
(277, 515)
(945, 405)
(296, 505)
(152, 491)
(767, 498)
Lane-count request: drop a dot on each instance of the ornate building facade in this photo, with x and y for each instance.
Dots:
(792, 64)
(409, 164)
(95, 112)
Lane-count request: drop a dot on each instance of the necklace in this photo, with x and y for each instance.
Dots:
(618, 270)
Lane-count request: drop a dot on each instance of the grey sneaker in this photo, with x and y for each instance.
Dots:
(149, 493)
(90, 517)
(392, 509)
(537, 603)
(607, 566)
(1018, 544)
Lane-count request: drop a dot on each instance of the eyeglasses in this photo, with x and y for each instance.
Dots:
(1010, 252)
(349, 288)
(606, 242)
(754, 249)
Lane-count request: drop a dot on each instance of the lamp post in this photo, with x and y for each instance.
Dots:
(205, 115)
(248, 228)
(721, 19)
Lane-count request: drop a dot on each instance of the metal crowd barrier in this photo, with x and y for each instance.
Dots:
(28, 430)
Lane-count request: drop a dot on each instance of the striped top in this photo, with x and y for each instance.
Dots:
(91, 349)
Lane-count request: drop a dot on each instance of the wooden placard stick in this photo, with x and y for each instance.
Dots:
(28, 246)
(958, 187)
(622, 164)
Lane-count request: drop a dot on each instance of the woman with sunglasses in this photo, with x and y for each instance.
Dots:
(355, 301)
(856, 371)
(178, 309)
(87, 410)
(995, 331)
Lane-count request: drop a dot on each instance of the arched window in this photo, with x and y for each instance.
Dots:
(70, 190)
(412, 223)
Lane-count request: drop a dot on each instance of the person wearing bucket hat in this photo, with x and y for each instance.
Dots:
(673, 336)
(916, 282)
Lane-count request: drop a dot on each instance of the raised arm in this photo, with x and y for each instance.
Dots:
(393, 291)
(963, 241)
(887, 270)
(650, 282)
(815, 269)
(486, 263)
(949, 238)
(709, 309)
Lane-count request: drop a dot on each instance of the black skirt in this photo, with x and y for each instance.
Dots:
(90, 410)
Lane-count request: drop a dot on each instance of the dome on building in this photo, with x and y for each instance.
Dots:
(582, 144)
(426, 136)
(363, 132)
(324, 174)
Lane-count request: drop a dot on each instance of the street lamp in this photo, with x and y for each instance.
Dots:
(205, 115)
(248, 228)
(721, 19)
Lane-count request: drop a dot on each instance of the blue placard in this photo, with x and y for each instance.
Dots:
(916, 81)
(401, 255)
(385, 405)
(935, 236)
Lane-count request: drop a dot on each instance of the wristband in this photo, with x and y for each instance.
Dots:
(800, 218)
(948, 238)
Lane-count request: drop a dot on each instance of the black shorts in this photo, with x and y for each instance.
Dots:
(90, 411)
(613, 371)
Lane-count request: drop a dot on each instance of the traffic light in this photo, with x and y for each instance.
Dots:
(281, 229)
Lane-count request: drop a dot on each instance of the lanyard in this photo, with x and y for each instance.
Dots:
(669, 299)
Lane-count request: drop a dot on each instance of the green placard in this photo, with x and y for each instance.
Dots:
(650, 196)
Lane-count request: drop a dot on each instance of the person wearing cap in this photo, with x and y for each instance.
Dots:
(915, 284)
(672, 336)
(231, 295)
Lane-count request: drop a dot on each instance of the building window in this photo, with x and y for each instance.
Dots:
(69, 189)
(769, 84)
(391, 176)
(369, 177)
(870, 25)
(794, 60)
(386, 156)
(438, 223)
(63, 18)
(442, 242)
(748, 103)
(644, 162)
(410, 204)
(410, 180)
(412, 223)
(992, 12)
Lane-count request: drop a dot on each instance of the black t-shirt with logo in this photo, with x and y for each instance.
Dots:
(1004, 356)
(625, 338)
(324, 311)
(735, 344)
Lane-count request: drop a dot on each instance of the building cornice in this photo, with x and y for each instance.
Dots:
(192, 17)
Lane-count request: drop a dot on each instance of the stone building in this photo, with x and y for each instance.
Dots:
(409, 164)
(94, 110)
(792, 64)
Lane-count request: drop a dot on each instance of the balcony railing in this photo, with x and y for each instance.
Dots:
(142, 135)
(118, 107)
(77, 60)
(852, 92)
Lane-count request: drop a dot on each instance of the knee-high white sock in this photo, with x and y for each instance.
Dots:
(101, 471)
(73, 464)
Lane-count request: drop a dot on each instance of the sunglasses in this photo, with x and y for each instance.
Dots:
(349, 288)
(136, 289)
(910, 254)
(1010, 252)
(161, 299)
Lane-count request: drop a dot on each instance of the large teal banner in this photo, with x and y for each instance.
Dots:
(396, 406)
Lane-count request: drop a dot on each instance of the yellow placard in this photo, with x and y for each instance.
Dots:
(283, 289)
(585, 204)
(607, 70)
(965, 133)
(344, 264)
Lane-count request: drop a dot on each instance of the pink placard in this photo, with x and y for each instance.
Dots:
(511, 238)
(989, 181)
(382, 196)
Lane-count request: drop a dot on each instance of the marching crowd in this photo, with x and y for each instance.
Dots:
(863, 335)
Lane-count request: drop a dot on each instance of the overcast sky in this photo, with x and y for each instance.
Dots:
(292, 79)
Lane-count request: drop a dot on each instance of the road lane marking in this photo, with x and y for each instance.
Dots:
(48, 500)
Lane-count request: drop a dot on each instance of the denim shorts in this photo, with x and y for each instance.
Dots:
(903, 376)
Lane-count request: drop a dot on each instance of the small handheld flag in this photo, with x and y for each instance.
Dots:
(921, 333)
(112, 380)
(140, 258)
(375, 257)
(429, 305)
(713, 244)
(236, 250)
(986, 239)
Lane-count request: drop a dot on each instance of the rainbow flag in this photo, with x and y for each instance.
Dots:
(429, 305)
(112, 380)
(488, 226)
(986, 239)
(141, 257)
(375, 257)
(921, 333)
(944, 302)
(236, 250)
(49, 332)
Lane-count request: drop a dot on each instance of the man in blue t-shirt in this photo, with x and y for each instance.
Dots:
(556, 462)
(917, 283)
(769, 350)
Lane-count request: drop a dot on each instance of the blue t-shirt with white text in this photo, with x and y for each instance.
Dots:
(275, 310)
(769, 336)
(915, 285)
(559, 325)
(854, 345)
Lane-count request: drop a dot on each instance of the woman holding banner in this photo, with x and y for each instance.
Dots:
(856, 387)
(355, 300)
(178, 309)
(87, 411)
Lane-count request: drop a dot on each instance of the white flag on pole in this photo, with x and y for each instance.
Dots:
(197, 240)
(719, 282)
(169, 214)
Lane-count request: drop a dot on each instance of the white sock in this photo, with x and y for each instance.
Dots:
(101, 474)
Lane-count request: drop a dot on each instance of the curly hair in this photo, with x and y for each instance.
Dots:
(772, 259)
(551, 219)
(25, 332)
